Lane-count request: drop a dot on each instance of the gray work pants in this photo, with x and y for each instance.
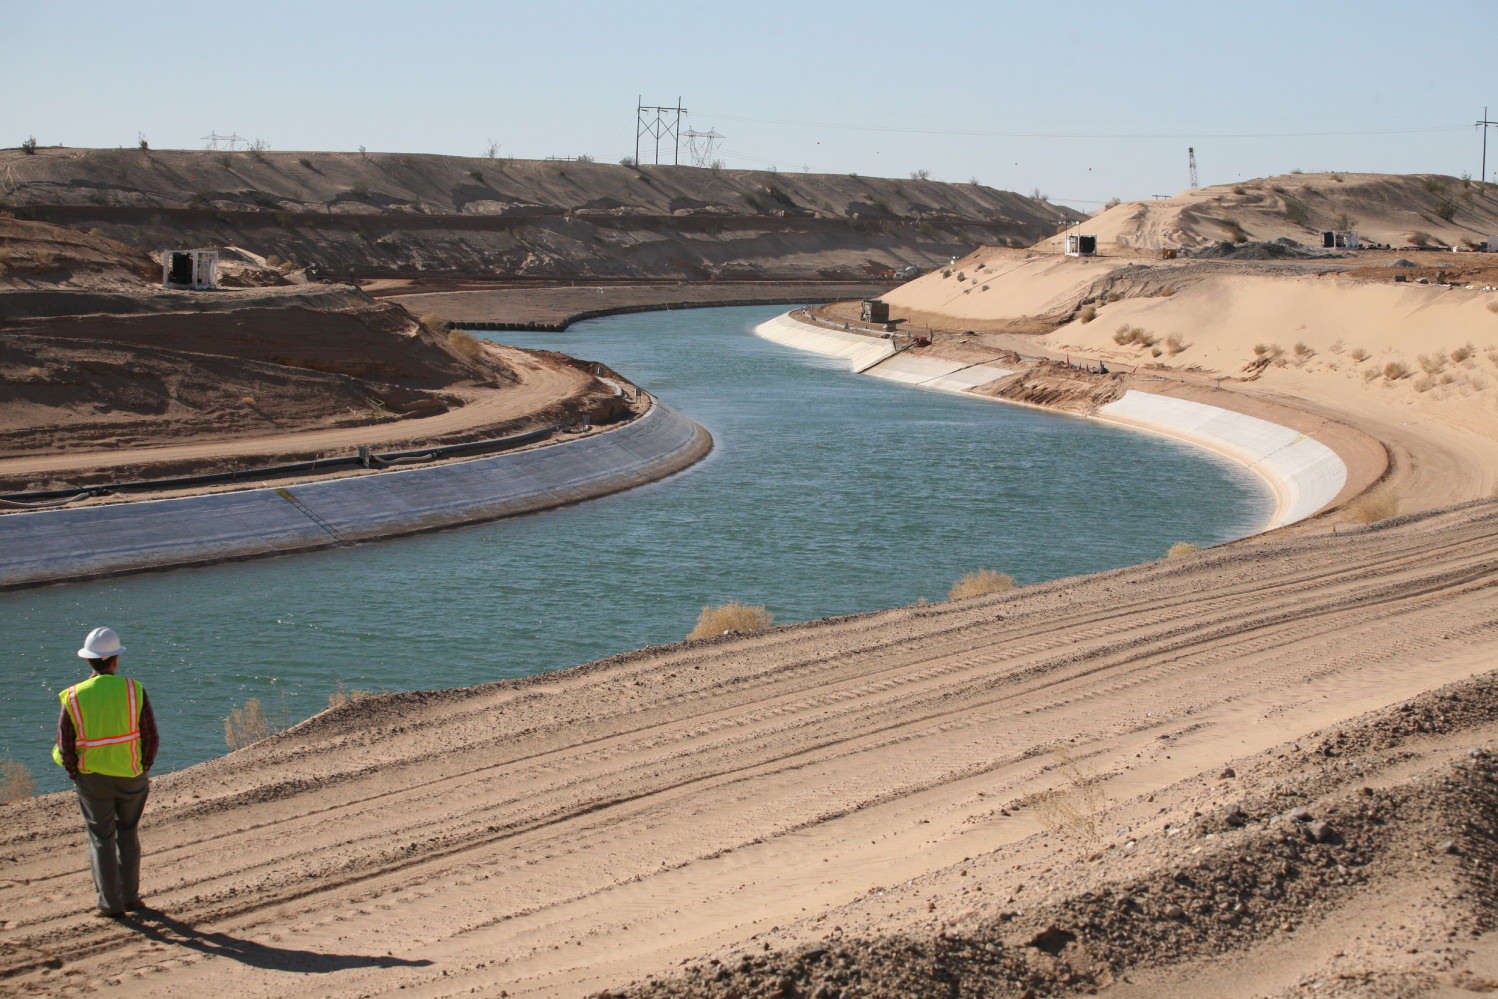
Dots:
(112, 807)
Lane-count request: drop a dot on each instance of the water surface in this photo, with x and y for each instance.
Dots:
(827, 493)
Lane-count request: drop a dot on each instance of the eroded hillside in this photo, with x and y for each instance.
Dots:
(394, 214)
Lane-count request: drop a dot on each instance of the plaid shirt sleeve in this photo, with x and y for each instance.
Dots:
(66, 740)
(149, 740)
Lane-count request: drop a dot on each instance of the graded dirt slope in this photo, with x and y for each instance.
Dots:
(850, 803)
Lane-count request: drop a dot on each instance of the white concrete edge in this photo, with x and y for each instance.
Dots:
(1303, 474)
(49, 546)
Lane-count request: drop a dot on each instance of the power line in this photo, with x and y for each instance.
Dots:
(1094, 135)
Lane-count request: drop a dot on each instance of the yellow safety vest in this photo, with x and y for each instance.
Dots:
(106, 725)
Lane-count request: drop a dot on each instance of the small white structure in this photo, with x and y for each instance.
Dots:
(1081, 246)
(1339, 239)
(194, 269)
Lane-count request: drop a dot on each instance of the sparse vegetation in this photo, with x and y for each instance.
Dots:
(1088, 314)
(29, 146)
(1180, 548)
(731, 617)
(1077, 804)
(15, 782)
(1434, 185)
(465, 345)
(1461, 354)
(628, 161)
(1297, 212)
(1446, 209)
(1373, 506)
(1303, 352)
(247, 725)
(920, 175)
(1174, 345)
(347, 695)
(1127, 334)
(982, 581)
(1395, 370)
(1359, 354)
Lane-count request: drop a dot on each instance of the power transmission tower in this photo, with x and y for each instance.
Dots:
(1484, 125)
(213, 139)
(659, 127)
(1191, 160)
(702, 156)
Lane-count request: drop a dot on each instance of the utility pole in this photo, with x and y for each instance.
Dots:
(660, 126)
(1191, 161)
(1484, 125)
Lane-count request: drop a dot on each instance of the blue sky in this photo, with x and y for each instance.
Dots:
(1082, 100)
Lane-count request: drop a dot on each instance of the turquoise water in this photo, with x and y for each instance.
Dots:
(827, 493)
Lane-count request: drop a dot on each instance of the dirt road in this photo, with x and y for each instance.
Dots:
(857, 777)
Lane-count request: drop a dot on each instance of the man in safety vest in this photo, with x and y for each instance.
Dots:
(106, 740)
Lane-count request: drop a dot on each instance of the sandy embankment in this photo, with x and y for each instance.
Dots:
(1082, 784)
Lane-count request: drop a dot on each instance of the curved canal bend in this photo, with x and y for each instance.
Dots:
(828, 493)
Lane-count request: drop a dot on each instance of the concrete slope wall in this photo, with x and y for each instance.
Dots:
(860, 350)
(1304, 474)
(58, 545)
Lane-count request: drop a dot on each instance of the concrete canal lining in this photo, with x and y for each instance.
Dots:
(52, 546)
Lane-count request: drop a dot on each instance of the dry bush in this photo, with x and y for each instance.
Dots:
(1493, 306)
(1396, 370)
(464, 344)
(348, 695)
(731, 617)
(435, 324)
(1460, 354)
(1432, 364)
(15, 782)
(1372, 506)
(1180, 548)
(1360, 355)
(1304, 352)
(1175, 345)
(982, 581)
(1078, 803)
(1370, 373)
(246, 725)
(1425, 384)
(1127, 334)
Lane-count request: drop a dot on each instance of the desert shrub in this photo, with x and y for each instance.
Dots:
(1344, 221)
(1418, 238)
(1434, 185)
(44, 259)
(271, 260)
(1237, 233)
(246, 725)
(1297, 212)
(920, 175)
(1359, 355)
(1112, 202)
(1114, 296)
(1077, 804)
(982, 581)
(1445, 209)
(1174, 345)
(435, 323)
(1239, 190)
(304, 161)
(29, 146)
(1180, 548)
(1460, 354)
(946, 272)
(1432, 364)
(1127, 334)
(1395, 370)
(1088, 314)
(984, 288)
(1338, 178)
(464, 344)
(1425, 384)
(961, 276)
(1377, 504)
(347, 695)
(1370, 373)
(1304, 352)
(731, 617)
(628, 161)
(15, 782)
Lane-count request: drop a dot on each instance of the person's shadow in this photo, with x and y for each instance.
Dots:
(159, 926)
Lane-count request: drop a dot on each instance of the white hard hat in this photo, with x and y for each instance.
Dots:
(101, 643)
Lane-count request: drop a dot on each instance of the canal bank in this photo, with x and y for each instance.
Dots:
(52, 546)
